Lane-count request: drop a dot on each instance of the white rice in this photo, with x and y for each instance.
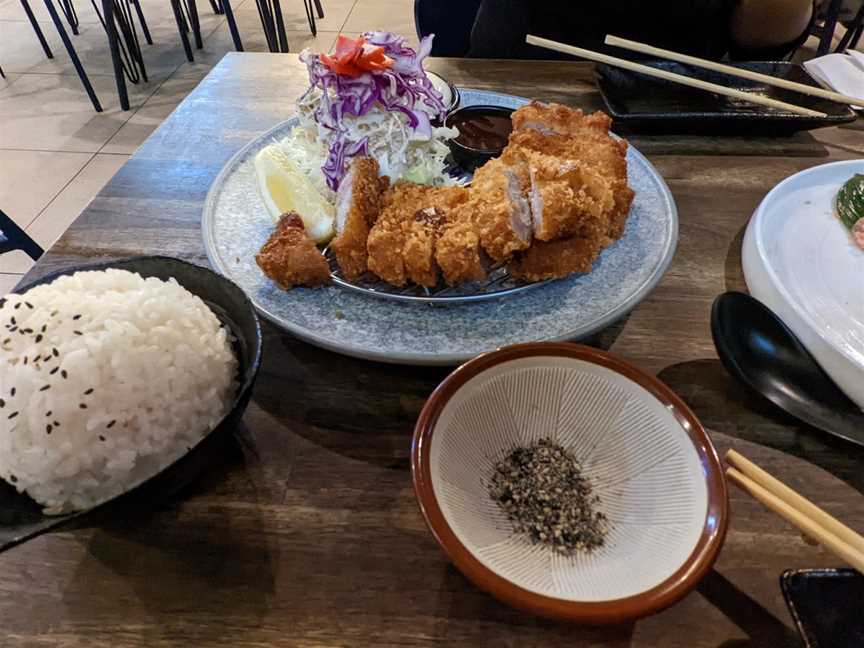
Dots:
(127, 375)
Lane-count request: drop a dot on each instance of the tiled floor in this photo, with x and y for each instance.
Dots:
(55, 145)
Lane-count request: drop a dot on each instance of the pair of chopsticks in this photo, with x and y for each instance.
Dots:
(809, 518)
(698, 83)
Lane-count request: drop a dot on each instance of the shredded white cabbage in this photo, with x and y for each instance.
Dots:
(391, 141)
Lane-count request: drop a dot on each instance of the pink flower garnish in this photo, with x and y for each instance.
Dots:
(858, 233)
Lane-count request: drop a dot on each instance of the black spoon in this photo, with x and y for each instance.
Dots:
(758, 349)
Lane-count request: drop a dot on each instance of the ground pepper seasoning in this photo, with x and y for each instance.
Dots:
(547, 498)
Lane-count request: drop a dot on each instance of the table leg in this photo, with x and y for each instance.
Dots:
(36, 28)
(82, 75)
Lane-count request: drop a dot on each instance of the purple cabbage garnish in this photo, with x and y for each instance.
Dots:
(404, 87)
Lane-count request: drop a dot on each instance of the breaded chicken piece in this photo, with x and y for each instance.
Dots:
(555, 259)
(421, 235)
(358, 202)
(596, 151)
(556, 118)
(500, 208)
(291, 258)
(567, 198)
(457, 250)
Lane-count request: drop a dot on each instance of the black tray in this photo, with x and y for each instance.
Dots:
(826, 606)
(639, 103)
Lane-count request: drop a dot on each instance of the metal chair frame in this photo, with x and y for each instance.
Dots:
(13, 237)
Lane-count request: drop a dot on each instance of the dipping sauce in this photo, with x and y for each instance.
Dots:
(484, 128)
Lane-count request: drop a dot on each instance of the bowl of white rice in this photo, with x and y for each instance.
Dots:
(117, 380)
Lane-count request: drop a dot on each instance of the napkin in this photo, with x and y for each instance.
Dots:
(842, 73)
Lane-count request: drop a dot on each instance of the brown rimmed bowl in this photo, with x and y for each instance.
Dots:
(648, 458)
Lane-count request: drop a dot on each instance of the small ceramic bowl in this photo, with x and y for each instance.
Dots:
(649, 460)
(448, 91)
(467, 156)
(21, 518)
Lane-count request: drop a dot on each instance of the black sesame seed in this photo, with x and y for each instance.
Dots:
(18, 305)
(77, 332)
(7, 340)
(48, 413)
(2, 403)
(38, 338)
(88, 392)
(53, 371)
(25, 360)
(28, 331)
(44, 327)
(55, 352)
(2, 302)
(110, 425)
(64, 374)
(48, 429)
(12, 415)
(28, 305)
(101, 438)
(82, 405)
(12, 321)
(54, 313)
(13, 479)
(56, 424)
(77, 317)
(12, 329)
(12, 391)
(45, 388)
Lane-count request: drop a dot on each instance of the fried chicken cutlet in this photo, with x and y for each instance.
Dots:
(500, 208)
(457, 250)
(555, 259)
(566, 133)
(291, 258)
(401, 245)
(358, 202)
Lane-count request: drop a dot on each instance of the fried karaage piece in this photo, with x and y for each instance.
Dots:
(358, 203)
(421, 235)
(500, 208)
(555, 259)
(457, 250)
(290, 257)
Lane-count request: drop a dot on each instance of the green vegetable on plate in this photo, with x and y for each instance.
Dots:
(850, 207)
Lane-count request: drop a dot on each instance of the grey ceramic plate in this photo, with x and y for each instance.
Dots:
(235, 225)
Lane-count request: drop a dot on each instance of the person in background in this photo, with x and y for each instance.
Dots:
(737, 29)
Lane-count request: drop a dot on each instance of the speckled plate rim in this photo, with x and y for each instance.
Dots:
(670, 591)
(440, 359)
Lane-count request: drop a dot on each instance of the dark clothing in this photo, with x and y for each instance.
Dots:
(696, 27)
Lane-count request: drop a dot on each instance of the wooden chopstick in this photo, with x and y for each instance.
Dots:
(731, 70)
(781, 490)
(845, 545)
(671, 76)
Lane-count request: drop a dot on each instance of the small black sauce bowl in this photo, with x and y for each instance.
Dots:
(467, 157)
(22, 519)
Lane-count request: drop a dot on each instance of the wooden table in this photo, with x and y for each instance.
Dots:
(309, 534)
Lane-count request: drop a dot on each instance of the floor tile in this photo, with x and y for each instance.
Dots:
(383, 15)
(8, 282)
(12, 10)
(154, 111)
(252, 36)
(294, 16)
(10, 77)
(19, 48)
(160, 59)
(51, 112)
(66, 207)
(22, 196)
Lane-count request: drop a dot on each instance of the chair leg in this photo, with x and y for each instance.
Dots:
(36, 28)
(196, 24)
(280, 26)
(2, 74)
(68, 10)
(181, 27)
(82, 75)
(319, 9)
(217, 7)
(143, 22)
(853, 32)
(829, 27)
(266, 15)
(232, 25)
(18, 239)
(310, 16)
(114, 48)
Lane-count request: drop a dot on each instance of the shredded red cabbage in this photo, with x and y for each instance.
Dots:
(404, 87)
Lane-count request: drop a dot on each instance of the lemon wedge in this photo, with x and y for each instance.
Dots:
(284, 188)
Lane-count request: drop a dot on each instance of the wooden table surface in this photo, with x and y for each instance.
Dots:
(309, 535)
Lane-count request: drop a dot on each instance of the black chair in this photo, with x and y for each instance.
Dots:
(451, 23)
(13, 237)
(826, 23)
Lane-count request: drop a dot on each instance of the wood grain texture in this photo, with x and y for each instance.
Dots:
(308, 535)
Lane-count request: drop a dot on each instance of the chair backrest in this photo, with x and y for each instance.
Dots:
(451, 22)
(13, 237)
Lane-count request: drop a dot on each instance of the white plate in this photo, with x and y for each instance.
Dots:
(800, 261)
(235, 225)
